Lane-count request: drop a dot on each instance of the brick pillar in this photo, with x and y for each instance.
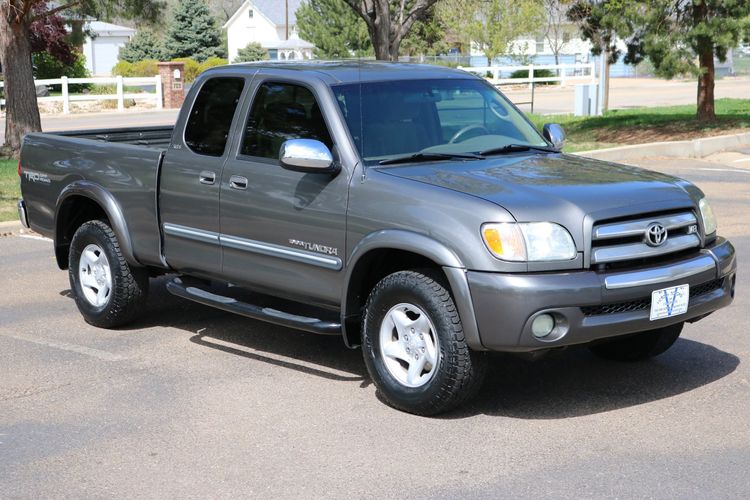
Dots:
(172, 83)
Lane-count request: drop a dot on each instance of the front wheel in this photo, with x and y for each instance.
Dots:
(107, 290)
(640, 346)
(414, 346)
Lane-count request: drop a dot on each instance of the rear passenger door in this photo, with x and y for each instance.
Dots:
(191, 177)
(284, 231)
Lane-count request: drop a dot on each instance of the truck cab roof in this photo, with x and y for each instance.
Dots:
(334, 72)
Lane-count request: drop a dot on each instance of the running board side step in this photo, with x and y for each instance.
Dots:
(184, 290)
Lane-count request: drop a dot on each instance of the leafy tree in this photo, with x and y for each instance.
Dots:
(389, 22)
(253, 51)
(427, 36)
(16, 20)
(555, 27)
(193, 32)
(492, 25)
(678, 37)
(671, 34)
(334, 28)
(144, 45)
(599, 22)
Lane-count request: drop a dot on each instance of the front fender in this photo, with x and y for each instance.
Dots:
(109, 205)
(419, 244)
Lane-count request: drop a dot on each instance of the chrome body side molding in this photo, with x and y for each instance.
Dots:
(258, 247)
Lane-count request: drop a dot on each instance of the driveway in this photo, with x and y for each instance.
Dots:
(190, 402)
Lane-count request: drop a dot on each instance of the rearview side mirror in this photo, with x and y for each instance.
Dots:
(555, 134)
(306, 155)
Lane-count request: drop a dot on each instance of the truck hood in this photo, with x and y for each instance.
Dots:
(556, 187)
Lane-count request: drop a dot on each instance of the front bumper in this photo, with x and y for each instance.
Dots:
(590, 305)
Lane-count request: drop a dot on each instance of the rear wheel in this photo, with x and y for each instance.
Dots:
(414, 346)
(639, 346)
(107, 290)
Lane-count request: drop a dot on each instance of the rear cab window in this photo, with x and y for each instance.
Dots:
(207, 128)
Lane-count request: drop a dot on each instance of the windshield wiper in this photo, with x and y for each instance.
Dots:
(426, 156)
(515, 148)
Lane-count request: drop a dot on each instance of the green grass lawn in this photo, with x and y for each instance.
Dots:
(10, 189)
(640, 125)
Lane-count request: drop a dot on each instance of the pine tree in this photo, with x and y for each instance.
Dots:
(333, 27)
(193, 32)
(144, 45)
(253, 51)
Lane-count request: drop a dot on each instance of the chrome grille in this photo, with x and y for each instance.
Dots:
(645, 303)
(626, 240)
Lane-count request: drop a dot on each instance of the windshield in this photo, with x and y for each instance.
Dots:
(392, 119)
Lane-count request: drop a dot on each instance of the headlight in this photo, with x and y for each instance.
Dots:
(528, 241)
(707, 214)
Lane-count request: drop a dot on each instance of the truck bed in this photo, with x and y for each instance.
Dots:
(157, 137)
(121, 164)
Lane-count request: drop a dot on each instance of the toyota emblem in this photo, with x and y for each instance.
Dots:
(656, 234)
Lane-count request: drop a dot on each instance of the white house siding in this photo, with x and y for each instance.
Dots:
(102, 51)
(267, 26)
(242, 29)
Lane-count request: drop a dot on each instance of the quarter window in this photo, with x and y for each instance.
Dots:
(208, 125)
(282, 111)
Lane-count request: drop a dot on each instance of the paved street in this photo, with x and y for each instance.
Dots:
(191, 402)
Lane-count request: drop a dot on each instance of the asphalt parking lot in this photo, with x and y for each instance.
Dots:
(191, 402)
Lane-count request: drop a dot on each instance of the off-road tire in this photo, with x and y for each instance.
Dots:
(640, 346)
(129, 284)
(459, 371)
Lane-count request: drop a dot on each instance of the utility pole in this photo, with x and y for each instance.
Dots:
(286, 6)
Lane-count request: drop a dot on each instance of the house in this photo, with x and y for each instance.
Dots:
(102, 48)
(272, 24)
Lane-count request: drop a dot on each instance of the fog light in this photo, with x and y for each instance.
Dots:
(542, 325)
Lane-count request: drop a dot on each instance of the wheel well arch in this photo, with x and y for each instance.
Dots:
(73, 212)
(368, 270)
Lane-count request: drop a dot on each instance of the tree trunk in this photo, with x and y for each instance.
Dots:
(22, 112)
(605, 104)
(380, 34)
(706, 109)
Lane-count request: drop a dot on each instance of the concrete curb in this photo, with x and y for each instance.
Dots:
(696, 148)
(10, 227)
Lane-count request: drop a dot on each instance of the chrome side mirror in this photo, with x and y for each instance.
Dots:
(555, 134)
(306, 155)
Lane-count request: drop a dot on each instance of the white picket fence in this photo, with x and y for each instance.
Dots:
(564, 73)
(120, 95)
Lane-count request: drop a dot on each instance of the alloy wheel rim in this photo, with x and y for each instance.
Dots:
(95, 276)
(409, 345)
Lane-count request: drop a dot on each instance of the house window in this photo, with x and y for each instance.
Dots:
(250, 13)
(566, 37)
(540, 44)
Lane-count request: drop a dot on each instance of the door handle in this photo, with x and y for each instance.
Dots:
(207, 177)
(238, 182)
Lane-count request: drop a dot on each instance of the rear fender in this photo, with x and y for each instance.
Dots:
(108, 204)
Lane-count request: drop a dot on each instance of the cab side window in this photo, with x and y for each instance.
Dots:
(282, 111)
(210, 119)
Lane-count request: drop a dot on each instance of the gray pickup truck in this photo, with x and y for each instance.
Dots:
(411, 209)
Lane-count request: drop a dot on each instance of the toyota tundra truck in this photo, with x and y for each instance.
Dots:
(412, 210)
